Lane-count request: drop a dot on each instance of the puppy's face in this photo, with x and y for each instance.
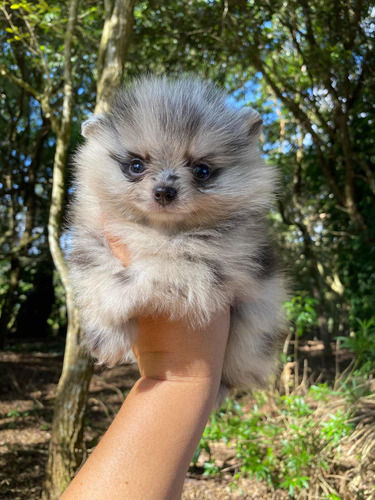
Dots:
(172, 152)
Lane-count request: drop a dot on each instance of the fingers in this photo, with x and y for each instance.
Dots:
(118, 249)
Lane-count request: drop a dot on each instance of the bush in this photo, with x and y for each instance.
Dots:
(362, 344)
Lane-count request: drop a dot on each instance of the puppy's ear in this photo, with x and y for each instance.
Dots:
(94, 124)
(253, 122)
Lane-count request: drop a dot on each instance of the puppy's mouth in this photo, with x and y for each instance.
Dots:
(170, 208)
(165, 204)
(173, 211)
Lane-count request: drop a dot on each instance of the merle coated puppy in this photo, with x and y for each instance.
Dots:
(176, 173)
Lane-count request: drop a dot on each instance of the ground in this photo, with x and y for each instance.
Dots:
(27, 388)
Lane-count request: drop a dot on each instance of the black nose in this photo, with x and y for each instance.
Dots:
(165, 194)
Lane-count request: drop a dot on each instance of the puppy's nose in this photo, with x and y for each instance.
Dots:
(165, 194)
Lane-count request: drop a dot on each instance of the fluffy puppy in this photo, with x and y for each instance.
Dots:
(176, 174)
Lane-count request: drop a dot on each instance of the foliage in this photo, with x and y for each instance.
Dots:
(301, 312)
(362, 344)
(284, 447)
(306, 66)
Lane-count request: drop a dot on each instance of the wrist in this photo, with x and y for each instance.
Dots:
(184, 395)
(176, 366)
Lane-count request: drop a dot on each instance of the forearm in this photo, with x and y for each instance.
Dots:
(146, 451)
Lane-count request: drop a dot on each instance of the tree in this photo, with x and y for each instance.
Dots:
(314, 62)
(66, 447)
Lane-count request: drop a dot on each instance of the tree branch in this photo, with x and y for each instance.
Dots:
(305, 122)
(19, 82)
(62, 141)
(42, 98)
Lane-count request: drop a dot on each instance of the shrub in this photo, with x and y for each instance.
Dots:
(284, 447)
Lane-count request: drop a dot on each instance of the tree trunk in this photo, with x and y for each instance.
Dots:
(66, 450)
(113, 49)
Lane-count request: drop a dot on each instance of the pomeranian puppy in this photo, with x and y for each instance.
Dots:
(176, 174)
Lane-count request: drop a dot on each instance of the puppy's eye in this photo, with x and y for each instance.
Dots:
(136, 167)
(201, 172)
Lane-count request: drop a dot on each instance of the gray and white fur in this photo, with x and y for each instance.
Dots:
(176, 174)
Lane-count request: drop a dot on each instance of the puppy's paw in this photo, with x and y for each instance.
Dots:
(111, 345)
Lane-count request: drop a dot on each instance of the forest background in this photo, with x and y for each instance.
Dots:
(308, 67)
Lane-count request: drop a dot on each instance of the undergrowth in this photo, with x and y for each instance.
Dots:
(293, 442)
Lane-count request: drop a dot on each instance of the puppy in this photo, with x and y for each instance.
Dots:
(175, 173)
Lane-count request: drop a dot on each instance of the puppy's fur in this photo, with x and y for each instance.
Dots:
(205, 248)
